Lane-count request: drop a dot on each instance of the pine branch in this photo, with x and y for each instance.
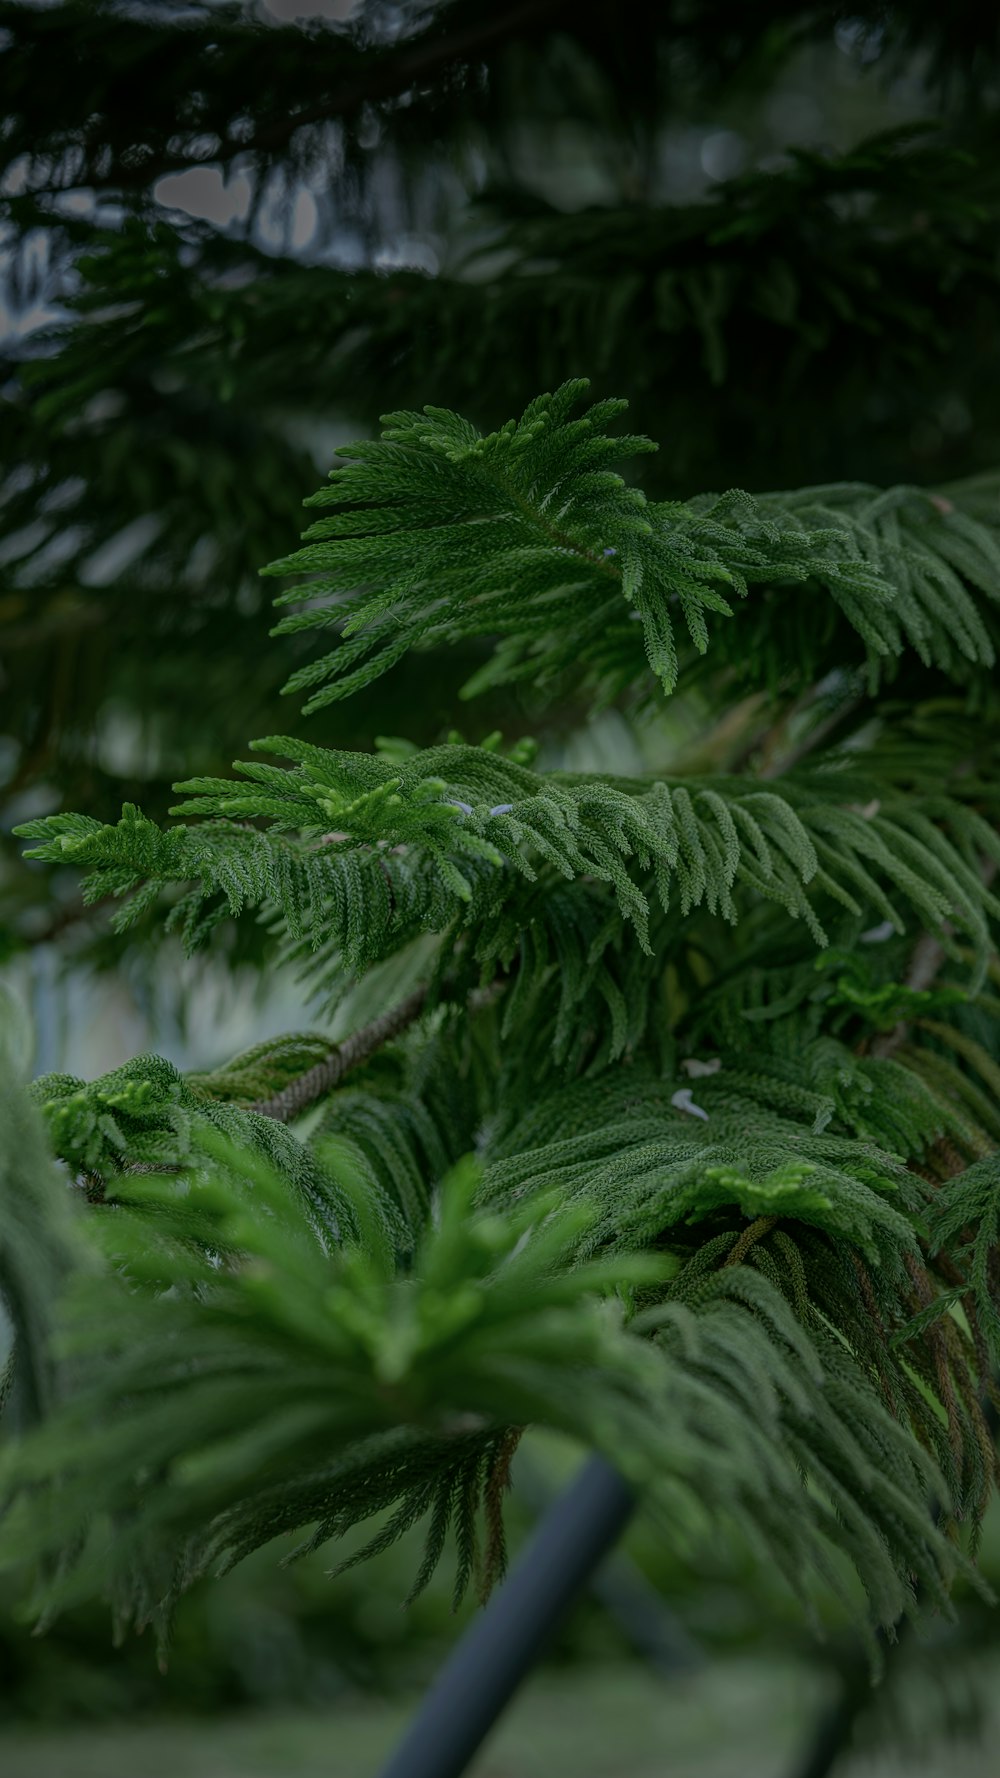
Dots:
(526, 534)
(695, 1185)
(565, 544)
(325, 1075)
(320, 1080)
(461, 841)
(354, 1390)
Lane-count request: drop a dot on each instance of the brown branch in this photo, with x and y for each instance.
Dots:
(754, 1232)
(355, 1049)
(318, 1080)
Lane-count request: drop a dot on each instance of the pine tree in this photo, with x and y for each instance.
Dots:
(159, 430)
(684, 1143)
(668, 1114)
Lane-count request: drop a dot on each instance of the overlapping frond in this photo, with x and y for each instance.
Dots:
(276, 1385)
(653, 1171)
(526, 536)
(145, 1114)
(438, 532)
(450, 836)
(937, 557)
(288, 1384)
(746, 1164)
(733, 1215)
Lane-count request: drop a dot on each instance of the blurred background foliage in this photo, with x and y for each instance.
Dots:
(237, 233)
(267, 1637)
(234, 235)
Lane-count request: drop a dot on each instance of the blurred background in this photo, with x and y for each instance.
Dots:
(233, 236)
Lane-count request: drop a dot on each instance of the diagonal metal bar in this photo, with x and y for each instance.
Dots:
(619, 1586)
(499, 1650)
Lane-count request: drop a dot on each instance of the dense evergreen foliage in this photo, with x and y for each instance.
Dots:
(773, 1304)
(819, 315)
(668, 1119)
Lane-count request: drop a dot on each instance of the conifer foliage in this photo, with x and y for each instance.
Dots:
(684, 1145)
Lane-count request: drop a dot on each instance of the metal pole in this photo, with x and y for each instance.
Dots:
(617, 1584)
(502, 1645)
(832, 1734)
